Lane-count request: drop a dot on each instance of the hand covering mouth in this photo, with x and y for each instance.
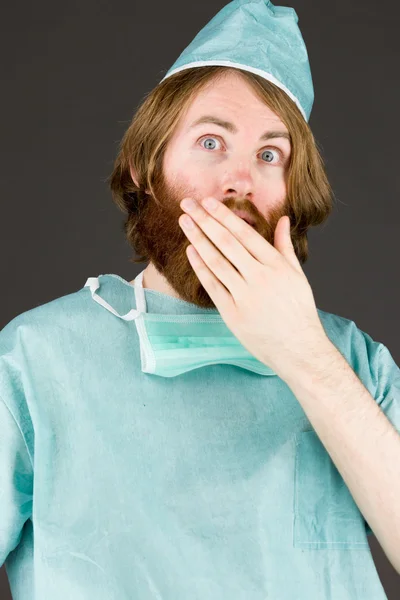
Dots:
(245, 216)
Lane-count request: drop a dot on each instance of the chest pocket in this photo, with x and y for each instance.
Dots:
(325, 513)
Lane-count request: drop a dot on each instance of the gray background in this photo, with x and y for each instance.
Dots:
(73, 74)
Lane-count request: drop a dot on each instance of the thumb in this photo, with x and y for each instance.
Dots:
(284, 244)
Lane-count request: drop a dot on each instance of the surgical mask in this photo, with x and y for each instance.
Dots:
(171, 345)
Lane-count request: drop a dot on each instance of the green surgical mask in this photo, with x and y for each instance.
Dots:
(171, 345)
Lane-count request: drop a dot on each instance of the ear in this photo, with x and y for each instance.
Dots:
(134, 178)
(133, 175)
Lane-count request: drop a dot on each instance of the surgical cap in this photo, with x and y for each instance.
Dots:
(256, 36)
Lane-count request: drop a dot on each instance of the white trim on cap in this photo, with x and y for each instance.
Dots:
(228, 63)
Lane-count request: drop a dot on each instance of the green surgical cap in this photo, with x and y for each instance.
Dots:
(256, 36)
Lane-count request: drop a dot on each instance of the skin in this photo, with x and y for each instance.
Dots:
(235, 169)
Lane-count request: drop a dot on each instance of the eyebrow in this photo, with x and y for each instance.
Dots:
(231, 127)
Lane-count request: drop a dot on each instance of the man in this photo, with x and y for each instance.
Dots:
(204, 431)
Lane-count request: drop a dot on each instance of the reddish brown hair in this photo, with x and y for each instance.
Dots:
(309, 194)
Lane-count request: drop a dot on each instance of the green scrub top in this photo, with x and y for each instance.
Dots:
(121, 485)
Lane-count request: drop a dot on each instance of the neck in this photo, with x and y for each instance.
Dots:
(153, 280)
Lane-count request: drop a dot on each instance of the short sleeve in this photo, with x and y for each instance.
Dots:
(16, 437)
(16, 482)
(386, 374)
(387, 393)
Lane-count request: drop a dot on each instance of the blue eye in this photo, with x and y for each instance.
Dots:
(268, 152)
(207, 139)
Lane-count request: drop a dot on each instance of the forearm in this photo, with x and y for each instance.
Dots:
(361, 441)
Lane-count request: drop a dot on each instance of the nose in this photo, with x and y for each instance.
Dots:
(238, 178)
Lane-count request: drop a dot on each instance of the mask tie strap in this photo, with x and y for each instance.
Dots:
(93, 284)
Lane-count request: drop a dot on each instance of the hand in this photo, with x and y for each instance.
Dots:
(268, 303)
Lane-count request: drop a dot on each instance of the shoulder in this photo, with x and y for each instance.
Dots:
(347, 334)
(370, 359)
(45, 318)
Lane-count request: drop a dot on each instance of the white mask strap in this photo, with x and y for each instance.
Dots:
(93, 284)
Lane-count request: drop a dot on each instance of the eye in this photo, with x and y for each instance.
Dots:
(267, 152)
(270, 153)
(206, 139)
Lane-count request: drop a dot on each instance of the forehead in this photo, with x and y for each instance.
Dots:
(231, 95)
